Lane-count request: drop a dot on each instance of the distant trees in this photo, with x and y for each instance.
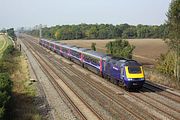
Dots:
(101, 31)
(120, 48)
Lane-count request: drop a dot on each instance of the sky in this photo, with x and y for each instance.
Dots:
(28, 13)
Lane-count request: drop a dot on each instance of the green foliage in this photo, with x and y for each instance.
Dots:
(174, 25)
(5, 83)
(100, 31)
(7, 65)
(165, 63)
(93, 46)
(2, 113)
(11, 33)
(5, 92)
(169, 64)
(120, 48)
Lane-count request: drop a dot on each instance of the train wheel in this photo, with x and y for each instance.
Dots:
(82, 65)
(105, 76)
(122, 84)
(116, 82)
(111, 80)
(102, 75)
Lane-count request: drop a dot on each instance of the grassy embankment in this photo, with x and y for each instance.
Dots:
(4, 43)
(23, 92)
(21, 105)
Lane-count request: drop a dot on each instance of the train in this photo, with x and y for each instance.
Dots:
(120, 71)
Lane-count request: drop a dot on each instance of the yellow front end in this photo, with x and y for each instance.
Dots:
(134, 75)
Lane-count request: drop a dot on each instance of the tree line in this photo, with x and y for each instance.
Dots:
(101, 31)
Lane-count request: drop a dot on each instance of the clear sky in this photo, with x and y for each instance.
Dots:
(28, 13)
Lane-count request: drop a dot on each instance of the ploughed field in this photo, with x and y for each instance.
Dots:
(146, 51)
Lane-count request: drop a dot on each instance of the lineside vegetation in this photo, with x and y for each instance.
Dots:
(169, 63)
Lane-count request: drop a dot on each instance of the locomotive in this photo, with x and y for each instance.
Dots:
(120, 71)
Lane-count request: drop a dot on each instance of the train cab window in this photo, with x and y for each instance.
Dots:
(134, 69)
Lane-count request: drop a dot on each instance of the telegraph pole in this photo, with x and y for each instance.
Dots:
(40, 32)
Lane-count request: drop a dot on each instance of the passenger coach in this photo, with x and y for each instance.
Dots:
(121, 71)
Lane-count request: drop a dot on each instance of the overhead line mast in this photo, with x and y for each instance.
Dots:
(40, 31)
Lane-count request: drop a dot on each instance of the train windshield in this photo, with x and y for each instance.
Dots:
(134, 69)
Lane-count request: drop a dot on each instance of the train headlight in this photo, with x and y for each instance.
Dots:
(130, 79)
(142, 79)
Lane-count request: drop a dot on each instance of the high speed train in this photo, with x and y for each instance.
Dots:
(120, 71)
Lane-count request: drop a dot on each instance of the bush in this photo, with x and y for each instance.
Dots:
(93, 46)
(7, 64)
(2, 113)
(166, 63)
(120, 48)
(5, 92)
(5, 83)
(6, 67)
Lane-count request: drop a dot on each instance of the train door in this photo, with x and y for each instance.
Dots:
(121, 73)
(108, 68)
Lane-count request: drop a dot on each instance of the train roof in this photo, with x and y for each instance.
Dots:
(121, 60)
(95, 54)
(132, 63)
(118, 60)
(79, 49)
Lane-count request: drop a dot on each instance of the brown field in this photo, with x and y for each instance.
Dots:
(146, 51)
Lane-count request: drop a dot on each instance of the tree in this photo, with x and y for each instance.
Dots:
(93, 46)
(11, 33)
(173, 23)
(120, 48)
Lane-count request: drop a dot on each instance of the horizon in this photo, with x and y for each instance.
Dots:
(29, 13)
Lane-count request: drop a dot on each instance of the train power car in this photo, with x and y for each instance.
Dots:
(128, 73)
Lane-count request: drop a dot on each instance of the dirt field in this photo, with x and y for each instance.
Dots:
(146, 51)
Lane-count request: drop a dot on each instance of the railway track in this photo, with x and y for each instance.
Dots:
(169, 94)
(69, 75)
(119, 100)
(91, 114)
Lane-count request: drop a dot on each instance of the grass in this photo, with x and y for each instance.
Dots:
(4, 43)
(23, 107)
